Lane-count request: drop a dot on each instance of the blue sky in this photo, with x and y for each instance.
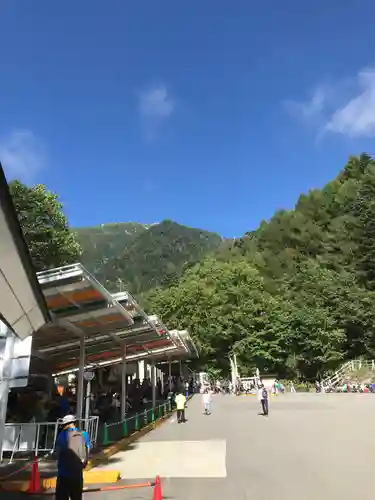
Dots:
(208, 112)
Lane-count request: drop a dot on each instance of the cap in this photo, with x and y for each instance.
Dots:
(68, 419)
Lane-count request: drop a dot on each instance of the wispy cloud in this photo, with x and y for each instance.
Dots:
(356, 117)
(156, 107)
(22, 155)
(346, 107)
(310, 109)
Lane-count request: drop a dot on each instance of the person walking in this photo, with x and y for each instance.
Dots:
(72, 447)
(206, 398)
(263, 398)
(180, 404)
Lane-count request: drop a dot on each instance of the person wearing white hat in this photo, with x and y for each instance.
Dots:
(72, 446)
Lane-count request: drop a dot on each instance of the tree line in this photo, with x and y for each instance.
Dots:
(295, 297)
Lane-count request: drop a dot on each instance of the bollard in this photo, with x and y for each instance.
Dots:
(105, 434)
(153, 416)
(145, 420)
(136, 425)
(124, 428)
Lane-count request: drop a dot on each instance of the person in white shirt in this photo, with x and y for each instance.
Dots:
(206, 398)
(263, 398)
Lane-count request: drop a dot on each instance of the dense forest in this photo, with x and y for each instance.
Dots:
(139, 257)
(296, 296)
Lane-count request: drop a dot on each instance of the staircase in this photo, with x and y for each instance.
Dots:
(346, 369)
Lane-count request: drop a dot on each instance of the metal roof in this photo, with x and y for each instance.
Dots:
(81, 306)
(22, 306)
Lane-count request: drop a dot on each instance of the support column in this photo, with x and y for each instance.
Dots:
(137, 370)
(6, 374)
(100, 377)
(180, 368)
(145, 370)
(170, 375)
(141, 370)
(80, 392)
(153, 383)
(162, 381)
(123, 384)
(88, 400)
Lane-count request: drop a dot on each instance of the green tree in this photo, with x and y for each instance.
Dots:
(223, 303)
(297, 294)
(44, 225)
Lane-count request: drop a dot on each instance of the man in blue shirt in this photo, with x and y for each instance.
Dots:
(72, 446)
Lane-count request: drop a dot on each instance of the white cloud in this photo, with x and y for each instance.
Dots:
(156, 102)
(310, 109)
(22, 155)
(356, 117)
(156, 106)
(345, 107)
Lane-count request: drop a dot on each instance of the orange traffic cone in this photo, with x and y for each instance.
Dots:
(157, 489)
(34, 485)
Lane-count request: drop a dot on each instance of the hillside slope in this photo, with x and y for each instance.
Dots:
(143, 256)
(103, 243)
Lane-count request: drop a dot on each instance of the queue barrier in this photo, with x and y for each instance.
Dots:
(113, 432)
(35, 488)
(40, 437)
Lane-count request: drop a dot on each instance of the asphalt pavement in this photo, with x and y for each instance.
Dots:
(311, 446)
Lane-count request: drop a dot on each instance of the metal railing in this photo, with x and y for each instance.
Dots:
(40, 437)
(113, 432)
(348, 367)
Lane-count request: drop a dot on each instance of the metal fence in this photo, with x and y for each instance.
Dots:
(113, 432)
(40, 437)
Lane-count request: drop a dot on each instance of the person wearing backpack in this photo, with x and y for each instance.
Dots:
(263, 398)
(72, 447)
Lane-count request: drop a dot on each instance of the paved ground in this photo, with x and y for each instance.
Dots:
(312, 446)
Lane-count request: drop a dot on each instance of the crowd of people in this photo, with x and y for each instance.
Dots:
(346, 387)
(38, 406)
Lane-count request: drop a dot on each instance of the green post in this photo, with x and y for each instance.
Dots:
(136, 425)
(153, 416)
(105, 435)
(124, 428)
(145, 418)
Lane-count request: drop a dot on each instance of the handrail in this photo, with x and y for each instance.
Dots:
(36, 437)
(346, 368)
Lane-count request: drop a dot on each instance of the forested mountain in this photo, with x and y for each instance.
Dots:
(296, 296)
(106, 242)
(139, 257)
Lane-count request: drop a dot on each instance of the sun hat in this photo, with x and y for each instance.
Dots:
(68, 419)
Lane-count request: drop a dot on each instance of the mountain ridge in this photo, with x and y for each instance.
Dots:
(142, 256)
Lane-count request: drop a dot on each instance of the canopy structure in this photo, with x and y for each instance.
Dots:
(22, 306)
(84, 311)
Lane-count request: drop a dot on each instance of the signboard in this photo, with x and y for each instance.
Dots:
(88, 376)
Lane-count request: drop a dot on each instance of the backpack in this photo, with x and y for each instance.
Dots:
(264, 393)
(76, 452)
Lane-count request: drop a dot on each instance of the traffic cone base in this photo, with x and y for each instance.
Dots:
(34, 485)
(157, 489)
